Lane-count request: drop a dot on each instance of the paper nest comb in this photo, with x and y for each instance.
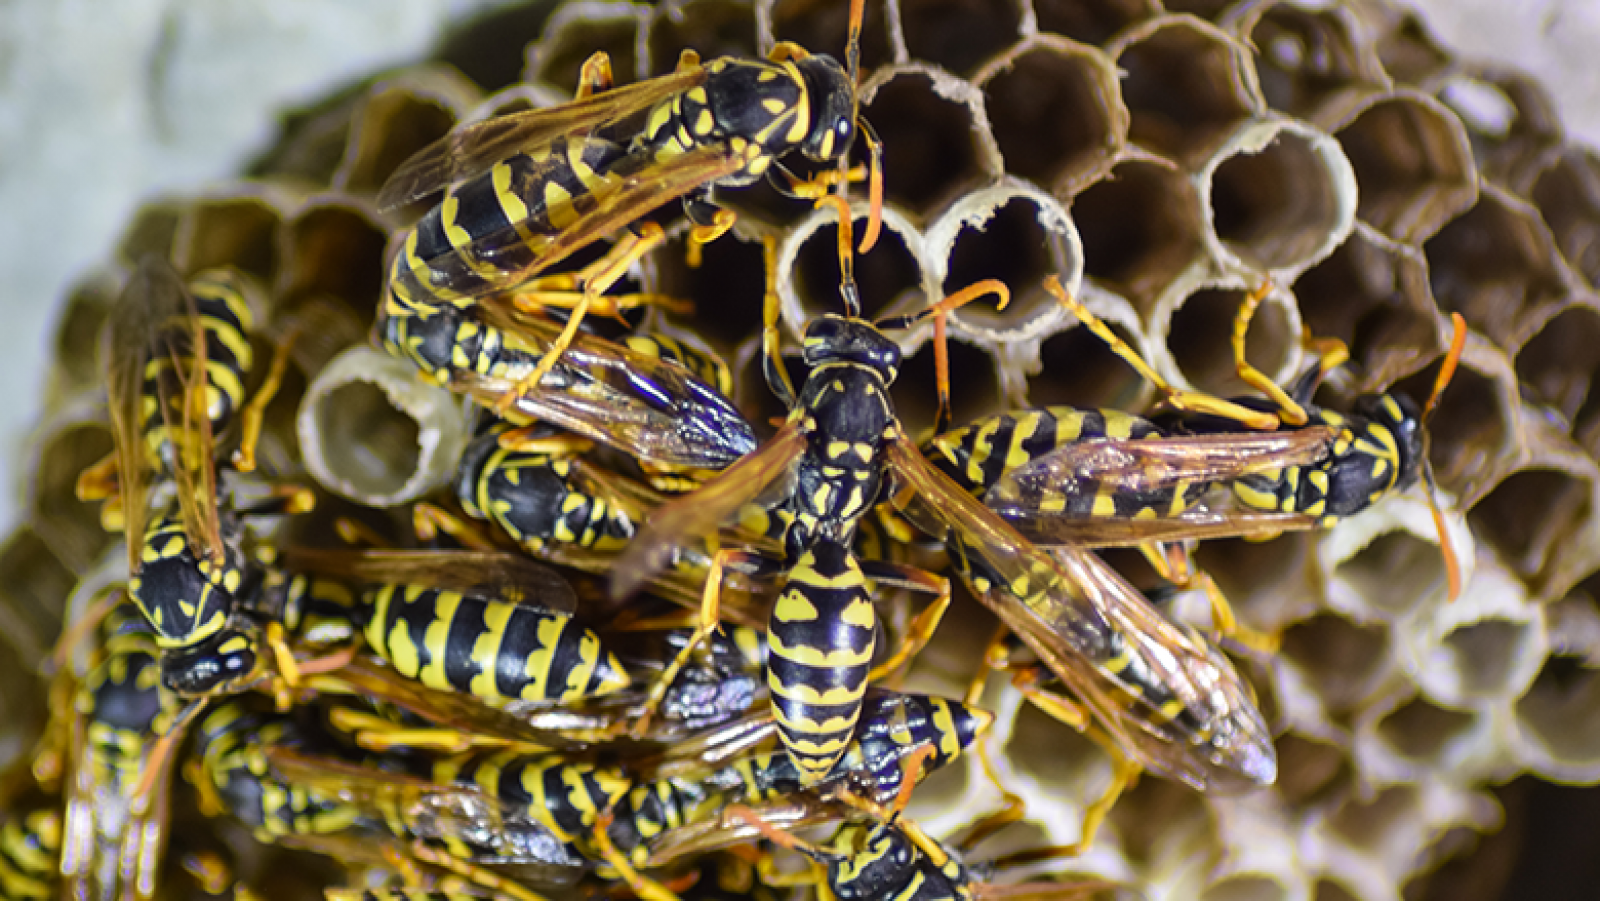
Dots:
(1161, 161)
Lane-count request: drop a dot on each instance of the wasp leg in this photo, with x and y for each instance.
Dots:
(995, 658)
(1289, 410)
(783, 51)
(596, 280)
(941, 352)
(1177, 567)
(771, 340)
(646, 888)
(1191, 401)
(688, 59)
(710, 618)
(1124, 769)
(703, 233)
(428, 520)
(735, 814)
(531, 439)
(923, 625)
(250, 418)
(379, 735)
(595, 76)
(356, 533)
(99, 481)
(473, 873)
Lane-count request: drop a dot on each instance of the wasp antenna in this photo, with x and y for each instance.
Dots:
(847, 269)
(1447, 370)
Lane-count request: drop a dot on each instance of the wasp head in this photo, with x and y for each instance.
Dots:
(838, 339)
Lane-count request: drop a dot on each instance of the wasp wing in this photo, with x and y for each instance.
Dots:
(648, 407)
(1097, 634)
(701, 513)
(496, 574)
(1152, 464)
(474, 148)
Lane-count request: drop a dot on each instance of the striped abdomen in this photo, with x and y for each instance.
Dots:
(226, 322)
(532, 498)
(30, 855)
(485, 233)
(821, 637)
(565, 797)
(497, 651)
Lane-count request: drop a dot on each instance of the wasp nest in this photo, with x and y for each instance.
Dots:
(1162, 163)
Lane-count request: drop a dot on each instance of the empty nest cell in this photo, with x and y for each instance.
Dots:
(959, 35)
(1413, 165)
(71, 527)
(1559, 718)
(711, 28)
(931, 126)
(726, 288)
(1077, 369)
(888, 278)
(580, 29)
(334, 247)
(1373, 295)
(1473, 432)
(1186, 84)
(1568, 197)
(240, 231)
(1140, 228)
(1345, 662)
(1014, 233)
(974, 386)
(1092, 23)
(1560, 361)
(1530, 515)
(395, 120)
(1395, 572)
(1511, 121)
(1279, 195)
(1056, 112)
(1305, 56)
(825, 28)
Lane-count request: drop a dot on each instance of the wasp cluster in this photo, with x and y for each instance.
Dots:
(1165, 159)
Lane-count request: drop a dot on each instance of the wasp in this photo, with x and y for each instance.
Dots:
(1108, 478)
(262, 768)
(30, 850)
(114, 827)
(528, 190)
(827, 466)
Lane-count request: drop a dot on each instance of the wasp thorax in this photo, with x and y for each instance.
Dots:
(833, 122)
(836, 339)
(1400, 415)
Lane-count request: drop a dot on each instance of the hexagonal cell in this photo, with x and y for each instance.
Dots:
(1306, 56)
(1046, 752)
(1560, 361)
(1056, 111)
(1475, 430)
(1568, 196)
(1076, 368)
(974, 386)
(959, 35)
(1424, 732)
(711, 28)
(334, 247)
(34, 586)
(70, 526)
(1278, 194)
(577, 30)
(1017, 234)
(1329, 890)
(1141, 228)
(1345, 661)
(889, 278)
(1413, 164)
(153, 230)
(395, 119)
(1187, 86)
(240, 230)
(1531, 514)
(1312, 773)
(1373, 295)
(1092, 23)
(76, 368)
(1199, 336)
(1559, 720)
(1394, 573)
(935, 137)
(1407, 50)
(1374, 825)
(825, 28)
(1512, 122)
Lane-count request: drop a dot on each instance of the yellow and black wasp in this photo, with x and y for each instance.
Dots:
(1103, 478)
(826, 468)
(177, 361)
(528, 190)
(496, 626)
(30, 854)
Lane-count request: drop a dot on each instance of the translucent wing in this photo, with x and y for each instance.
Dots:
(701, 513)
(1153, 464)
(1081, 618)
(503, 576)
(153, 297)
(1222, 519)
(188, 422)
(647, 407)
(473, 149)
